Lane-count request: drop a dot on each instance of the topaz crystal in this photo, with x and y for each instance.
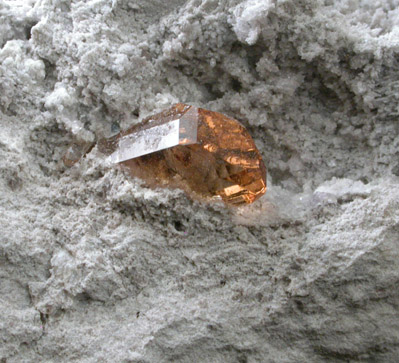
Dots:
(198, 150)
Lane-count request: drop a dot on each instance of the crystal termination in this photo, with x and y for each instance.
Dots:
(201, 151)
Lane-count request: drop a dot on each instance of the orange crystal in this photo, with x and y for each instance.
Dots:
(199, 150)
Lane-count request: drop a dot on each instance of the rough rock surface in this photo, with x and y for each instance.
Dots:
(96, 267)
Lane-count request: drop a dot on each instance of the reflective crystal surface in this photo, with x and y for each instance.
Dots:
(157, 133)
(200, 151)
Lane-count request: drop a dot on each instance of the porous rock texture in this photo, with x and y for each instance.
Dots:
(96, 267)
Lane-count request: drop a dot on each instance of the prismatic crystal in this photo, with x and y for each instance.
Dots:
(194, 149)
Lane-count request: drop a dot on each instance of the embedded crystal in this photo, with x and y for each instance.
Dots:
(194, 149)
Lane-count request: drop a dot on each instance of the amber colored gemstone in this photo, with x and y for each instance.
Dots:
(194, 149)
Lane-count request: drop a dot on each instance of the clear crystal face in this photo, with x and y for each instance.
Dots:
(200, 151)
(157, 134)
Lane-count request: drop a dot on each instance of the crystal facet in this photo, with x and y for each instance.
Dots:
(157, 134)
(195, 149)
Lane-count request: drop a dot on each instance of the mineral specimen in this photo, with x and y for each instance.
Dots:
(200, 151)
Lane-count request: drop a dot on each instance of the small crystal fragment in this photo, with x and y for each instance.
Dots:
(195, 149)
(75, 152)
